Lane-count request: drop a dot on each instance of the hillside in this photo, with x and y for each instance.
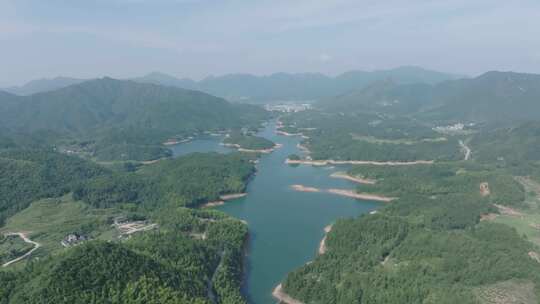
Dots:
(493, 96)
(122, 119)
(195, 256)
(43, 85)
(384, 96)
(300, 86)
(117, 103)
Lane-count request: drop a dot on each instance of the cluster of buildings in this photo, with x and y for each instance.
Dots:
(457, 128)
(288, 108)
(73, 239)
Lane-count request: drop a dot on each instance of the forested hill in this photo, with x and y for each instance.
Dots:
(493, 96)
(384, 95)
(300, 86)
(43, 85)
(117, 103)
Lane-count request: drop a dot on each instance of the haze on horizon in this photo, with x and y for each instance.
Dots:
(197, 38)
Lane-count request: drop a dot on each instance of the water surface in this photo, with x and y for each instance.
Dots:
(285, 226)
(202, 144)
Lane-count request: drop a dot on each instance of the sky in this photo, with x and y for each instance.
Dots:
(198, 38)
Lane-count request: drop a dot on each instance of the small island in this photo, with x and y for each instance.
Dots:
(249, 143)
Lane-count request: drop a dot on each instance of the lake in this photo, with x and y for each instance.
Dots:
(285, 226)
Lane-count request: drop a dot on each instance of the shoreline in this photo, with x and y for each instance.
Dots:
(265, 151)
(344, 192)
(228, 197)
(222, 199)
(279, 132)
(282, 297)
(173, 142)
(362, 196)
(357, 162)
(302, 188)
(344, 175)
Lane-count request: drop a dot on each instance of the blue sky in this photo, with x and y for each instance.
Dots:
(197, 38)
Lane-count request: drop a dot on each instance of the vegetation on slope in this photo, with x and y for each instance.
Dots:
(249, 142)
(361, 136)
(125, 120)
(28, 175)
(193, 257)
(491, 97)
(428, 246)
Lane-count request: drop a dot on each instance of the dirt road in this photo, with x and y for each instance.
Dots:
(25, 238)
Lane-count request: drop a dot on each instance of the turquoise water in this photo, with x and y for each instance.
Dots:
(204, 144)
(286, 226)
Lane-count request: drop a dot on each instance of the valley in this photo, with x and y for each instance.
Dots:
(239, 210)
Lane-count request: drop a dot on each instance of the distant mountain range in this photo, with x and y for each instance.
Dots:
(109, 102)
(111, 119)
(43, 85)
(493, 96)
(297, 87)
(262, 89)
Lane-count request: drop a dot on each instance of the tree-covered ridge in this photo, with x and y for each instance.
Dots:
(27, 175)
(507, 145)
(109, 102)
(186, 181)
(299, 86)
(189, 257)
(493, 96)
(247, 141)
(194, 257)
(461, 178)
(121, 120)
(428, 246)
(382, 259)
(370, 137)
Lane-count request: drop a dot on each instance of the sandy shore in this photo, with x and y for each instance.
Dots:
(363, 196)
(222, 199)
(228, 197)
(279, 294)
(149, 162)
(355, 179)
(288, 134)
(265, 151)
(345, 192)
(322, 245)
(303, 188)
(212, 204)
(356, 162)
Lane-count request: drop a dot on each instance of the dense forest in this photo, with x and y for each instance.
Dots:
(429, 246)
(27, 175)
(192, 257)
(490, 97)
(249, 142)
(110, 119)
(367, 136)
(162, 266)
(457, 232)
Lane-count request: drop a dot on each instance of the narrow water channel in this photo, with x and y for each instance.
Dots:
(285, 226)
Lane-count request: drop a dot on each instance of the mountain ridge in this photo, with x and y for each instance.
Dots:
(264, 88)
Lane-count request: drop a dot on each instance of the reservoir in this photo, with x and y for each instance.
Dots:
(285, 226)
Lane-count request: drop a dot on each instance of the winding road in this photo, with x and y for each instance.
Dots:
(25, 238)
(466, 150)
